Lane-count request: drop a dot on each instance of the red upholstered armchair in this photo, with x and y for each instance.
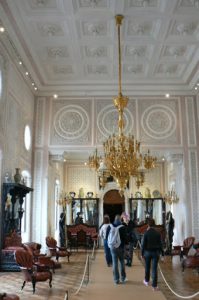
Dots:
(25, 261)
(55, 250)
(34, 249)
(184, 249)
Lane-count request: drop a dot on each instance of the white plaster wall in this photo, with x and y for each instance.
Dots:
(167, 127)
(16, 111)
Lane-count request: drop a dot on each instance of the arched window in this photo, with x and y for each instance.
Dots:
(27, 137)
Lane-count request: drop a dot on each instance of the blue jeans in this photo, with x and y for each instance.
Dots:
(107, 253)
(151, 256)
(118, 256)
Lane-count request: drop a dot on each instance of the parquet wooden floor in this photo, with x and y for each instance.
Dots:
(70, 276)
(67, 278)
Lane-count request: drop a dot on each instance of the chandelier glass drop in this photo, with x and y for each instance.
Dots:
(122, 154)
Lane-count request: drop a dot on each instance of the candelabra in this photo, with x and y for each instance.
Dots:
(171, 197)
(140, 179)
(94, 160)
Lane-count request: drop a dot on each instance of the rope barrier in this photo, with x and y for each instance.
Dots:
(167, 284)
(177, 295)
(85, 268)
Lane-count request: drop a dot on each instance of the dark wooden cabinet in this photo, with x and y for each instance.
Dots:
(88, 208)
(11, 214)
(143, 208)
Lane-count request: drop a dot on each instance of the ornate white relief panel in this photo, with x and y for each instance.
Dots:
(39, 121)
(189, 3)
(191, 123)
(43, 4)
(145, 28)
(50, 29)
(106, 116)
(143, 3)
(194, 188)
(158, 121)
(70, 122)
(80, 177)
(84, 4)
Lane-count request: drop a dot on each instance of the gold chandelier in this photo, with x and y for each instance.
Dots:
(122, 153)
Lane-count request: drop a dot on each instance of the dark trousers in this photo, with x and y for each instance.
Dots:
(151, 257)
(107, 253)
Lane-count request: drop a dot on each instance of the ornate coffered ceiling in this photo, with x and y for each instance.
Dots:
(70, 46)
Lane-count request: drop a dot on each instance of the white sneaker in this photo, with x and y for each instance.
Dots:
(145, 283)
(125, 280)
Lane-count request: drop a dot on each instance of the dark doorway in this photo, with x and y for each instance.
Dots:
(112, 210)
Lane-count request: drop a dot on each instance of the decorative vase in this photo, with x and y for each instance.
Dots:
(17, 176)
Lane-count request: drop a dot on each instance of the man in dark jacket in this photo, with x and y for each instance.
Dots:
(151, 248)
(118, 253)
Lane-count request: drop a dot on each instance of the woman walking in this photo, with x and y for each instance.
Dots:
(102, 233)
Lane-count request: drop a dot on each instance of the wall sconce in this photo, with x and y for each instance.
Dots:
(171, 197)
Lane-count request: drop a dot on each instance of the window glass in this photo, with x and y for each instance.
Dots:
(27, 137)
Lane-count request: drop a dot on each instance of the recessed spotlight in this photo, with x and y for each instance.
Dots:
(55, 96)
(196, 87)
(27, 73)
(20, 62)
(163, 158)
(167, 95)
(2, 29)
(85, 163)
(33, 84)
(35, 88)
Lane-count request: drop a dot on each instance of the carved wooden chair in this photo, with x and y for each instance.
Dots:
(34, 248)
(182, 250)
(55, 250)
(42, 261)
(31, 274)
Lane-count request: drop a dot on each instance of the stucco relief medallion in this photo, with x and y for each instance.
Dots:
(158, 121)
(71, 122)
(107, 121)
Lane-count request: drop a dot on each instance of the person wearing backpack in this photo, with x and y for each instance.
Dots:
(102, 234)
(116, 236)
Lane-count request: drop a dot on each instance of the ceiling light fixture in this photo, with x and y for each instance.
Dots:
(122, 155)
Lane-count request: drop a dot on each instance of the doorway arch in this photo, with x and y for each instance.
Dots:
(113, 203)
